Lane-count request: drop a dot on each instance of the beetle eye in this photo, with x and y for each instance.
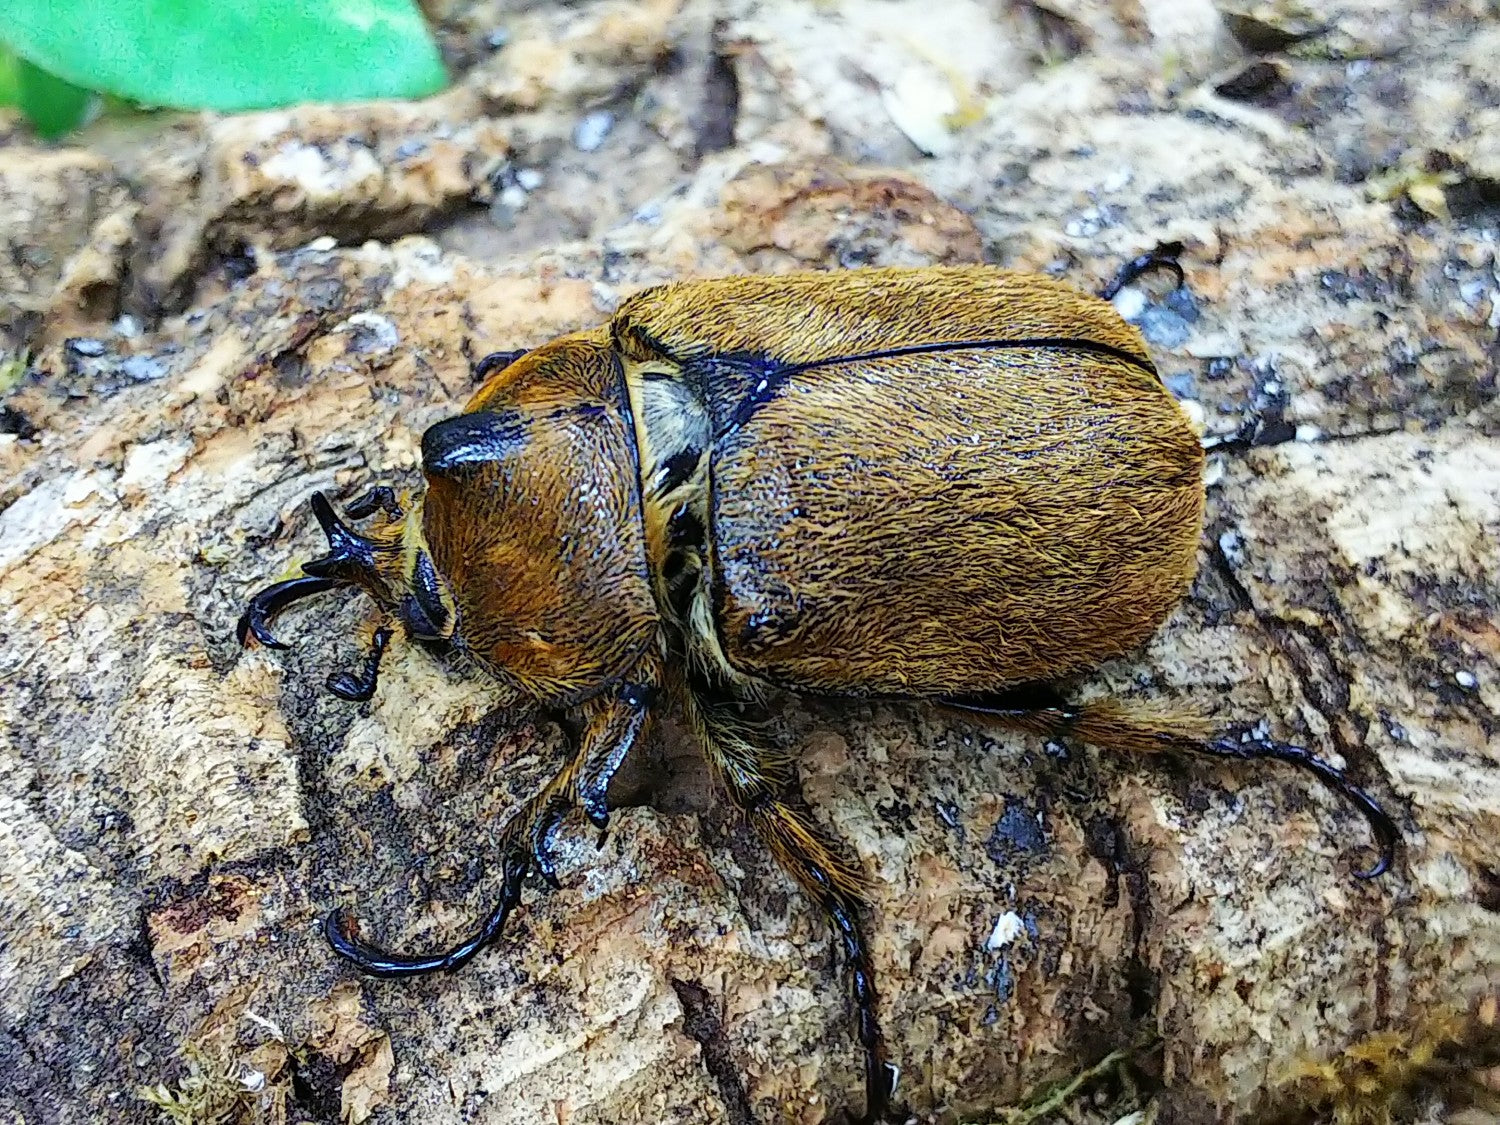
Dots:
(423, 611)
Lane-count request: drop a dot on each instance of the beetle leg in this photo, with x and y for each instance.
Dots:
(1019, 702)
(256, 620)
(350, 553)
(1386, 833)
(543, 854)
(1164, 257)
(380, 498)
(613, 725)
(518, 849)
(760, 781)
(358, 687)
(1111, 725)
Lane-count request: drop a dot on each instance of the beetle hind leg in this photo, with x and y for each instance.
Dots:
(760, 782)
(1112, 725)
(1242, 746)
(1162, 257)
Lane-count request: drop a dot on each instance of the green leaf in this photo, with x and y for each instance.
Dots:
(229, 54)
(10, 82)
(53, 107)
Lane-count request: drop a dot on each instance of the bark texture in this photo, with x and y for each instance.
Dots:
(204, 337)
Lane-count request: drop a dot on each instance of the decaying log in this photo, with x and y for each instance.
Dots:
(177, 815)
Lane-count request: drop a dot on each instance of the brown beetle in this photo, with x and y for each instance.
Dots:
(955, 485)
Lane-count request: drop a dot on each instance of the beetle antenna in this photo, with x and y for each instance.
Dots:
(381, 498)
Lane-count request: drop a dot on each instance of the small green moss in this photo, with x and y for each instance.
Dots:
(222, 1089)
(13, 369)
(1384, 1077)
(1053, 1097)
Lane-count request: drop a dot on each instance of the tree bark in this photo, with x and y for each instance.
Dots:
(177, 815)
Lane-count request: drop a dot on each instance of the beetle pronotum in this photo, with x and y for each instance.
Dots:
(956, 485)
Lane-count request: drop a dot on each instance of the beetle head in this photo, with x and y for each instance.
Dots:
(389, 561)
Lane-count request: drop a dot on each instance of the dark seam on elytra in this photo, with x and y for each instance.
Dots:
(776, 378)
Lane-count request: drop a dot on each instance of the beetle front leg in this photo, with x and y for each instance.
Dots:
(357, 687)
(523, 846)
(614, 723)
(759, 780)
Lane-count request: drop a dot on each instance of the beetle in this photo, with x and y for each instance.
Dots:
(957, 485)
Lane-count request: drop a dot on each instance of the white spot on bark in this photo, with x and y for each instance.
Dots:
(1008, 927)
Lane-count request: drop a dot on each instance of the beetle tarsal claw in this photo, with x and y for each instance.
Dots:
(1387, 835)
(342, 932)
(543, 849)
(341, 929)
(1163, 257)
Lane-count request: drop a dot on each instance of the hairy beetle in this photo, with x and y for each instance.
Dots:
(956, 485)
